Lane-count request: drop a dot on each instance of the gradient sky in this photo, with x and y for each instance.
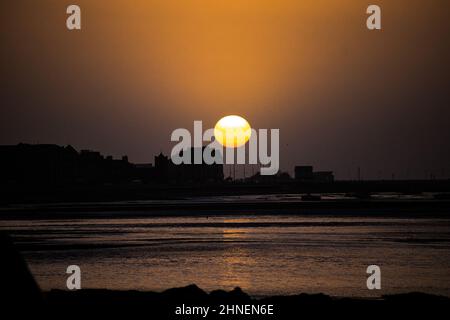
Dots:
(342, 96)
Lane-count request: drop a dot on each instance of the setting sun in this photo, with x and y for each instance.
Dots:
(232, 131)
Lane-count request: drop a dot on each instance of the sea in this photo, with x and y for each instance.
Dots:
(264, 255)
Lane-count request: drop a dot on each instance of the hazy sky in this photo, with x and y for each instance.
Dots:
(341, 95)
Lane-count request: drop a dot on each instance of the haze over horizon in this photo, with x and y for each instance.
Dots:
(342, 96)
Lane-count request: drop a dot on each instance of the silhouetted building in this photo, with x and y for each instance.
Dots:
(280, 177)
(168, 172)
(304, 173)
(198, 173)
(94, 168)
(43, 164)
(323, 176)
(307, 174)
(144, 172)
(162, 163)
(47, 164)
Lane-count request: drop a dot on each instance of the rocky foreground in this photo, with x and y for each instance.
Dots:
(187, 303)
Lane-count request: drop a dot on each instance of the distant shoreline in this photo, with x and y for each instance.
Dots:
(78, 193)
(127, 209)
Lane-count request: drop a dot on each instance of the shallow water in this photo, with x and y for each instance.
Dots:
(264, 255)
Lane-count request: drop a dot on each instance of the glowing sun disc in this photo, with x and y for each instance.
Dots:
(232, 131)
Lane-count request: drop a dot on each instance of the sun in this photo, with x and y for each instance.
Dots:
(232, 131)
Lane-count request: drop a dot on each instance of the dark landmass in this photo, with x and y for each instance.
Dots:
(42, 193)
(48, 173)
(151, 305)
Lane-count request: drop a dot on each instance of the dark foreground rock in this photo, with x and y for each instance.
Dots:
(151, 305)
(22, 298)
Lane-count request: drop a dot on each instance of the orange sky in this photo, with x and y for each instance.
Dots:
(342, 96)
